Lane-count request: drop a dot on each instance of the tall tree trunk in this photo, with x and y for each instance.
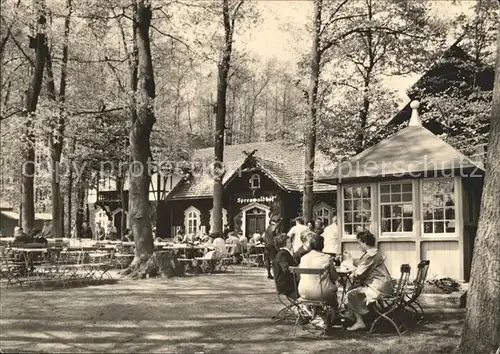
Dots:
(28, 138)
(70, 189)
(220, 119)
(310, 151)
(140, 134)
(57, 133)
(481, 331)
(363, 114)
(363, 117)
(80, 205)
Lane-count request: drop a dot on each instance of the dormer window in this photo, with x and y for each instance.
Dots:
(255, 181)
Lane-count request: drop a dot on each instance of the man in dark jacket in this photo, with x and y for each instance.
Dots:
(271, 249)
(285, 282)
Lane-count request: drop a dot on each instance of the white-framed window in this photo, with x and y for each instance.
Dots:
(396, 207)
(192, 220)
(438, 206)
(255, 181)
(357, 205)
(324, 212)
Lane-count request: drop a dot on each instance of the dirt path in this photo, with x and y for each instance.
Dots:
(228, 313)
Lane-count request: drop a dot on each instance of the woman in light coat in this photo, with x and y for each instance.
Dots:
(371, 276)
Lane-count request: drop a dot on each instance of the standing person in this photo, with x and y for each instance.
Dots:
(86, 230)
(295, 233)
(318, 226)
(332, 240)
(271, 250)
(310, 225)
(99, 231)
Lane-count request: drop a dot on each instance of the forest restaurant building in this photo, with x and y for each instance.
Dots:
(417, 194)
(261, 181)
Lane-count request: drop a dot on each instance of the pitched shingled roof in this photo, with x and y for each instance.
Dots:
(284, 163)
(413, 151)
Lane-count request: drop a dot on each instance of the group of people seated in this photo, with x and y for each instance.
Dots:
(34, 236)
(220, 240)
(368, 281)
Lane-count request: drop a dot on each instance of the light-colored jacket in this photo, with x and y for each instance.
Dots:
(372, 273)
(311, 286)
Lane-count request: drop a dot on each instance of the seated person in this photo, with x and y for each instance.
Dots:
(285, 282)
(20, 237)
(371, 276)
(315, 288)
(243, 242)
(219, 243)
(305, 237)
(128, 236)
(257, 239)
(232, 239)
(204, 238)
(47, 229)
(189, 238)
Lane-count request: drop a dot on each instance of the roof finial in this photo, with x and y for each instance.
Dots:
(415, 118)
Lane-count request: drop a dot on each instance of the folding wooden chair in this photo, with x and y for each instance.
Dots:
(414, 289)
(391, 307)
(318, 307)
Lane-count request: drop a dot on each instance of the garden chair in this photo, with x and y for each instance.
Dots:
(319, 308)
(391, 307)
(414, 290)
(289, 309)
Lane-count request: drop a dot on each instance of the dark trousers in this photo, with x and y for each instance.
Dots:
(270, 254)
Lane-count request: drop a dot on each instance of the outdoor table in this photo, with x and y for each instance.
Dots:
(29, 257)
(343, 274)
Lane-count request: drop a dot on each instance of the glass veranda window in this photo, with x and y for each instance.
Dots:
(357, 209)
(396, 207)
(438, 206)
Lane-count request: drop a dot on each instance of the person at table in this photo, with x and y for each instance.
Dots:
(86, 231)
(295, 233)
(112, 232)
(47, 230)
(283, 278)
(20, 236)
(256, 239)
(332, 240)
(371, 278)
(271, 250)
(316, 288)
(128, 236)
(305, 248)
(226, 231)
(318, 226)
(219, 243)
(189, 238)
(232, 239)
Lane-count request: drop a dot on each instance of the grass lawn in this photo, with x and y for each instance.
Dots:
(224, 313)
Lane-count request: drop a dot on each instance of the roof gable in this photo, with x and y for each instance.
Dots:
(282, 162)
(411, 151)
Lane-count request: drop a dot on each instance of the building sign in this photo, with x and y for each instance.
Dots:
(269, 199)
